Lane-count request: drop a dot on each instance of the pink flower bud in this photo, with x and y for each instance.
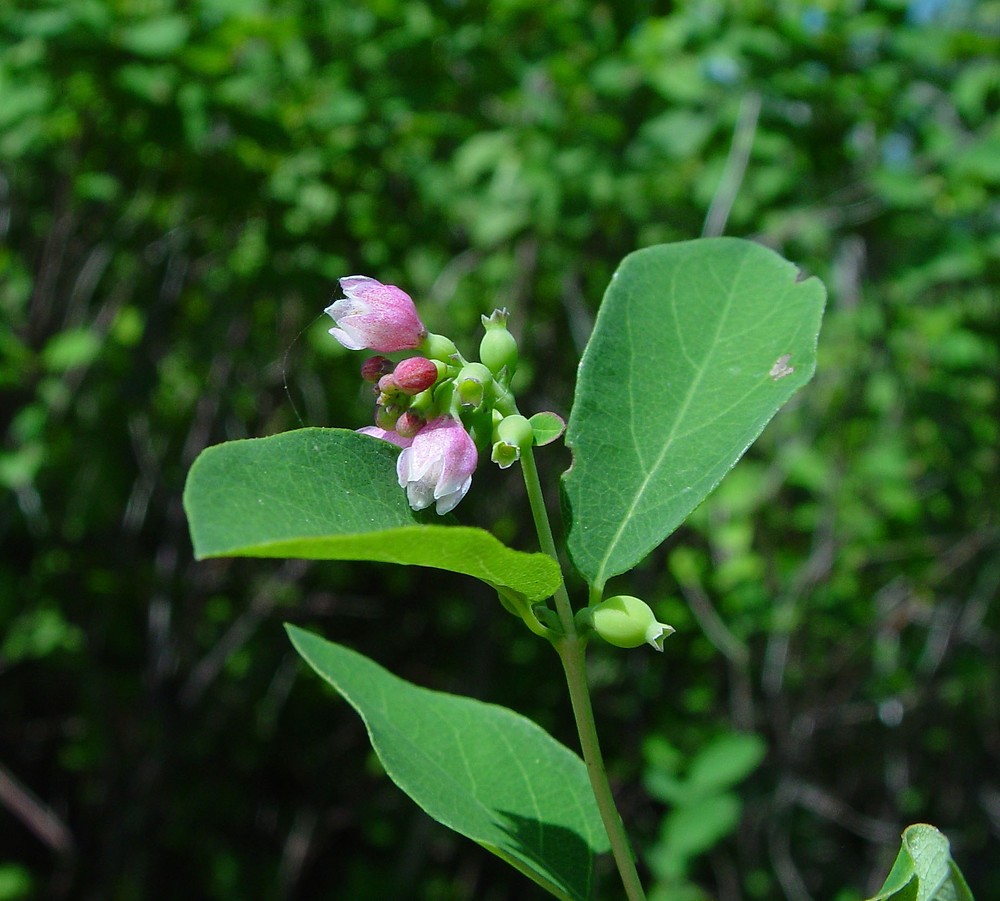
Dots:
(374, 368)
(437, 467)
(410, 423)
(415, 375)
(376, 316)
(386, 435)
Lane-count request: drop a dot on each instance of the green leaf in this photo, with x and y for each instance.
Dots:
(332, 494)
(484, 771)
(70, 349)
(695, 348)
(721, 764)
(546, 427)
(725, 762)
(691, 830)
(157, 37)
(924, 870)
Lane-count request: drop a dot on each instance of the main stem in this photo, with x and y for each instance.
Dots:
(571, 651)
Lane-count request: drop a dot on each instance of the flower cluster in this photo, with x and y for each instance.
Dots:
(439, 407)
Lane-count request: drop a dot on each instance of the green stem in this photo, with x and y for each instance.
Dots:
(537, 503)
(571, 652)
(570, 647)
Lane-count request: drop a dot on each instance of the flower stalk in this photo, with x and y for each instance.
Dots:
(571, 649)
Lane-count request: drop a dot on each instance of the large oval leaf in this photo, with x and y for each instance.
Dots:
(484, 771)
(695, 348)
(332, 494)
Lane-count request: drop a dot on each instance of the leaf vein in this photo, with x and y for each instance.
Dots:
(695, 382)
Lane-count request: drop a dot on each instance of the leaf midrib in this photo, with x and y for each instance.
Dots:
(678, 417)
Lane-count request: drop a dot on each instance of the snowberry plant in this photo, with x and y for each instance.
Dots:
(695, 347)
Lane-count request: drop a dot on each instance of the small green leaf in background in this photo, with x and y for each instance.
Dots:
(156, 37)
(702, 806)
(924, 870)
(487, 772)
(726, 761)
(36, 633)
(16, 883)
(70, 349)
(332, 494)
(689, 831)
(695, 348)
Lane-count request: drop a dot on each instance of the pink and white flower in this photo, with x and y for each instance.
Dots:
(386, 435)
(375, 316)
(437, 467)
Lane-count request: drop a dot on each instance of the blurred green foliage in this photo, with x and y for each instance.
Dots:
(702, 805)
(181, 184)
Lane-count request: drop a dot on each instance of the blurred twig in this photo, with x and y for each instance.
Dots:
(34, 813)
(785, 869)
(205, 672)
(578, 315)
(823, 804)
(296, 848)
(451, 274)
(732, 648)
(735, 168)
(712, 625)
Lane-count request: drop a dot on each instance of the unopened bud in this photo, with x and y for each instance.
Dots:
(498, 349)
(415, 374)
(513, 434)
(409, 423)
(474, 385)
(387, 415)
(388, 392)
(374, 368)
(516, 430)
(438, 347)
(625, 622)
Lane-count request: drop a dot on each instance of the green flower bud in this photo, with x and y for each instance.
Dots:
(474, 385)
(625, 622)
(438, 347)
(423, 403)
(516, 430)
(498, 349)
(512, 434)
(386, 416)
(505, 455)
